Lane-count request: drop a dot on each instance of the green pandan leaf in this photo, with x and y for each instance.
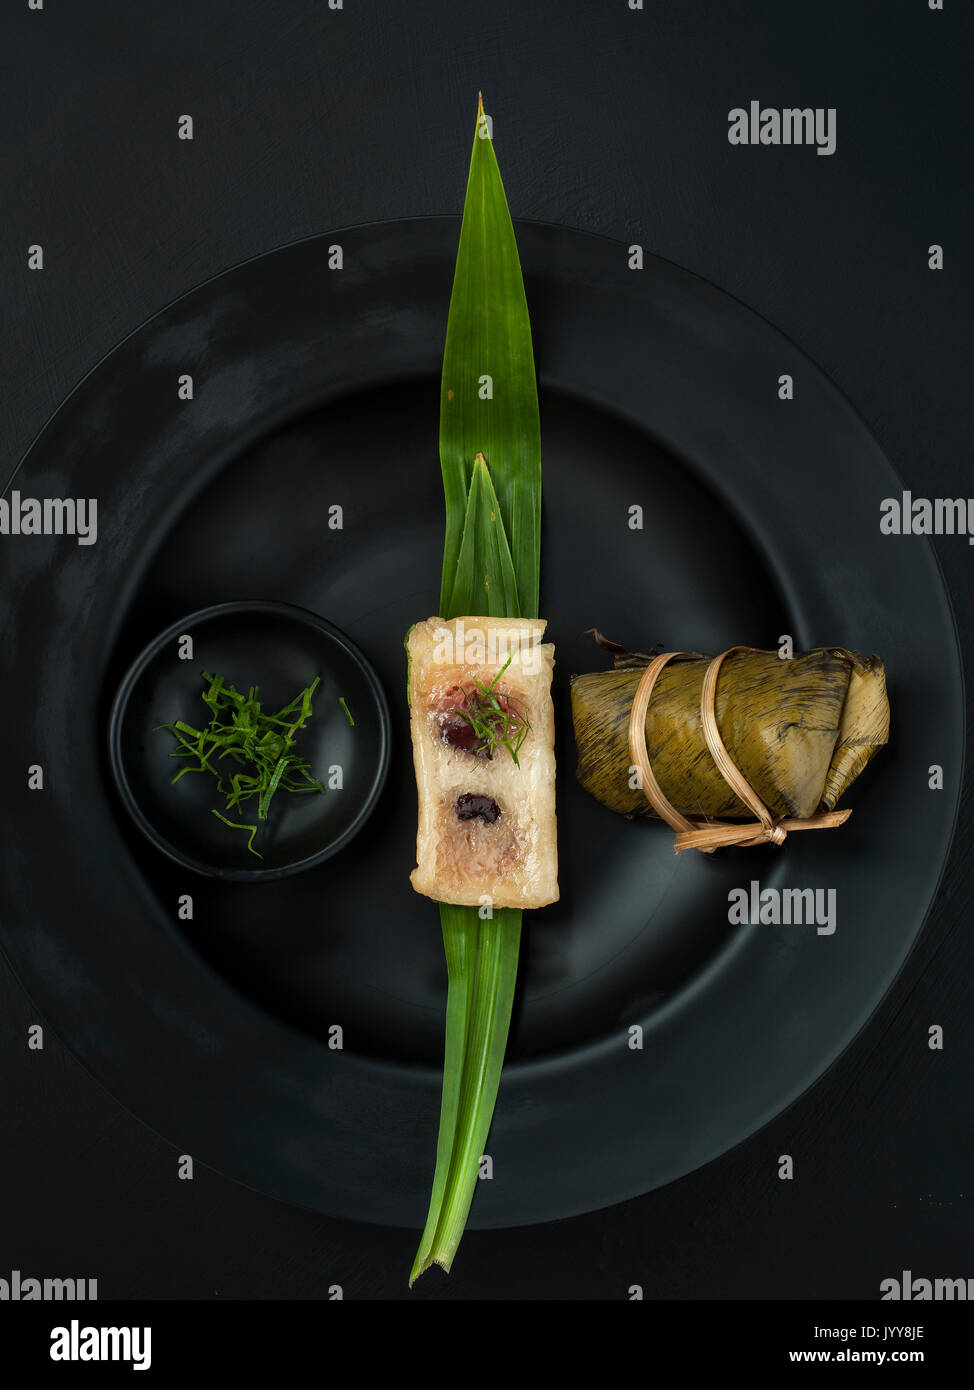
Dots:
(490, 452)
(482, 970)
(485, 582)
(488, 392)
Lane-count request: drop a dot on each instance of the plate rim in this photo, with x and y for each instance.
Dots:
(530, 1071)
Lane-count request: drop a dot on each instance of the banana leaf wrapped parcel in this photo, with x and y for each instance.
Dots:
(702, 741)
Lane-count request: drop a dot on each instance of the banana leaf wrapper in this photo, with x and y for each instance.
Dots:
(800, 731)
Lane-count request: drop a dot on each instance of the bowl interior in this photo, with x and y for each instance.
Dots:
(280, 650)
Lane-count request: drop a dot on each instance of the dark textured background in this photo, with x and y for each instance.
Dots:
(613, 121)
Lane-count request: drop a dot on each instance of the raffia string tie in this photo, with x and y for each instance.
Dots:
(701, 832)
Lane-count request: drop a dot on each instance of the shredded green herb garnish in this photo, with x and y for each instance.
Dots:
(260, 744)
(348, 712)
(497, 720)
(236, 825)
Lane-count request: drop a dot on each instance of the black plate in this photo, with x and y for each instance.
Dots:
(280, 649)
(317, 388)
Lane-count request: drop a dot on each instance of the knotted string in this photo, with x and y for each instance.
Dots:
(701, 832)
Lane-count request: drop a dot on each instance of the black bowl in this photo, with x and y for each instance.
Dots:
(281, 649)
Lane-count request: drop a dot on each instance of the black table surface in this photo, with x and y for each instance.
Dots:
(613, 120)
